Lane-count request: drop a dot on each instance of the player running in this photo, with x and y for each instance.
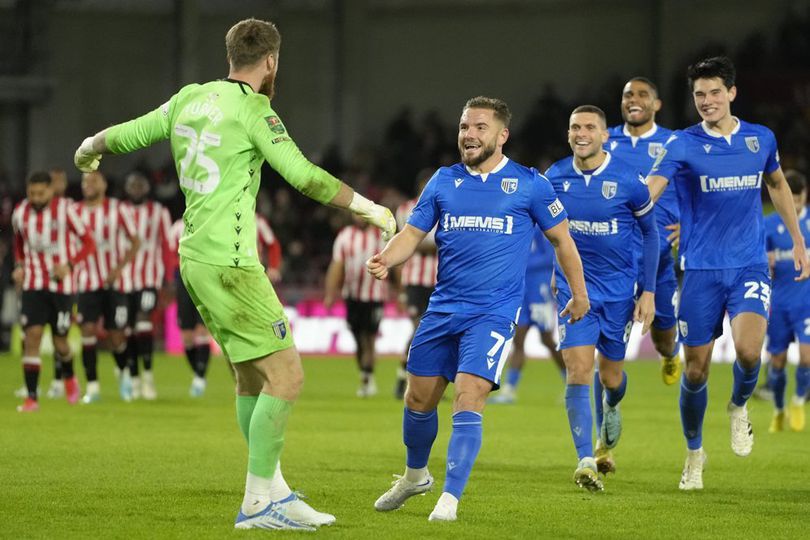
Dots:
(100, 282)
(790, 309)
(221, 132)
(486, 208)
(638, 141)
(718, 167)
(44, 258)
(539, 310)
(607, 201)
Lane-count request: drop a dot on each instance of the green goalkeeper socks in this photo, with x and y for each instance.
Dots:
(244, 410)
(266, 435)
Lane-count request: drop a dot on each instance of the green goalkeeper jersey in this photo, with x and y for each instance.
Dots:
(220, 134)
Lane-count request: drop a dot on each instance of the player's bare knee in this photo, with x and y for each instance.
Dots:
(610, 378)
(696, 373)
(748, 354)
(778, 361)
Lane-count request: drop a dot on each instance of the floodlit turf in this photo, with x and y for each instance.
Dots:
(174, 468)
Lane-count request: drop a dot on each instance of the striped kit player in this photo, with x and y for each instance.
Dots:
(363, 295)
(45, 254)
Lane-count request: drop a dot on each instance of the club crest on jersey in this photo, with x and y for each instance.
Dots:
(509, 185)
(654, 148)
(279, 329)
(275, 125)
(752, 143)
(609, 189)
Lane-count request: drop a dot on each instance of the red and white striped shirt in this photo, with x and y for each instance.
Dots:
(152, 224)
(421, 268)
(43, 239)
(111, 225)
(267, 244)
(353, 247)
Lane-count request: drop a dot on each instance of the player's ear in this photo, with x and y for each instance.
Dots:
(657, 104)
(504, 136)
(732, 93)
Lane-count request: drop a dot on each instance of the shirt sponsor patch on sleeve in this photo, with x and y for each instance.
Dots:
(555, 208)
(280, 139)
(275, 125)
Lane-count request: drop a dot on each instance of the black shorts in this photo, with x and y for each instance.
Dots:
(418, 298)
(363, 316)
(141, 302)
(45, 307)
(187, 315)
(110, 304)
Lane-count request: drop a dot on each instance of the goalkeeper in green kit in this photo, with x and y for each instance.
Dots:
(220, 133)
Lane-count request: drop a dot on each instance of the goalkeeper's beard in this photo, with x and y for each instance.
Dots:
(268, 87)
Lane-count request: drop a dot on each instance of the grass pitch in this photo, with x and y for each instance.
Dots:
(175, 468)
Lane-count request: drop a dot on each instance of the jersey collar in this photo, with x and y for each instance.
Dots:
(597, 172)
(647, 134)
(242, 85)
(484, 176)
(716, 135)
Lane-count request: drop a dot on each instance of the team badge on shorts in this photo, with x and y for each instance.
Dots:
(684, 328)
(509, 185)
(752, 143)
(561, 331)
(609, 189)
(280, 329)
(654, 148)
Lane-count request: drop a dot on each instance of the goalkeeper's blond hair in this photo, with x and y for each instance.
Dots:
(249, 41)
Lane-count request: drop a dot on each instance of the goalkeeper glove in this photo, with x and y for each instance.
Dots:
(85, 158)
(374, 214)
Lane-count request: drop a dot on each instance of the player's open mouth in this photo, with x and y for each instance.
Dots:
(583, 143)
(709, 110)
(635, 110)
(471, 146)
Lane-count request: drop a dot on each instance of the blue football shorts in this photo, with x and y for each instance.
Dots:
(790, 320)
(607, 326)
(539, 308)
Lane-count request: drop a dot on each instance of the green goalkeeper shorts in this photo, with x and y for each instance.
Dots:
(239, 308)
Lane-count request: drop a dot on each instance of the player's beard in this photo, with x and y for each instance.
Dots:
(486, 153)
(268, 87)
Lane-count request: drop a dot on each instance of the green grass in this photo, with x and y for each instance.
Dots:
(175, 468)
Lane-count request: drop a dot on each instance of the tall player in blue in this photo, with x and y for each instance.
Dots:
(539, 310)
(606, 199)
(718, 166)
(638, 141)
(486, 208)
(790, 309)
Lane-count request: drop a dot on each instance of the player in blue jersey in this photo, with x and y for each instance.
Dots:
(790, 309)
(539, 310)
(718, 166)
(606, 200)
(486, 208)
(638, 141)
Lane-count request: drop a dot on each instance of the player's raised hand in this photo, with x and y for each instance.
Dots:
(376, 267)
(86, 159)
(801, 262)
(674, 237)
(374, 214)
(577, 307)
(645, 311)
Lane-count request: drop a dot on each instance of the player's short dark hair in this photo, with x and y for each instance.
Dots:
(250, 40)
(646, 81)
(499, 106)
(796, 180)
(709, 68)
(591, 109)
(38, 177)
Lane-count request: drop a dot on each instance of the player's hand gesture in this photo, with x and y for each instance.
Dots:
(86, 159)
(674, 237)
(377, 267)
(60, 271)
(645, 311)
(801, 261)
(577, 307)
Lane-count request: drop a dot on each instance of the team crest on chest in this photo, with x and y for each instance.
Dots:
(609, 189)
(752, 143)
(654, 148)
(509, 185)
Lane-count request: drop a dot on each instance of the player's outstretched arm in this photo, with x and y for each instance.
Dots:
(783, 203)
(398, 250)
(371, 212)
(571, 264)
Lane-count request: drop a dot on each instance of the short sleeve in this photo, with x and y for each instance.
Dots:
(640, 201)
(772, 162)
(545, 208)
(425, 214)
(671, 158)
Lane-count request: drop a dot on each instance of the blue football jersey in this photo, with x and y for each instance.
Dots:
(786, 291)
(541, 254)
(485, 229)
(602, 209)
(719, 184)
(641, 152)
